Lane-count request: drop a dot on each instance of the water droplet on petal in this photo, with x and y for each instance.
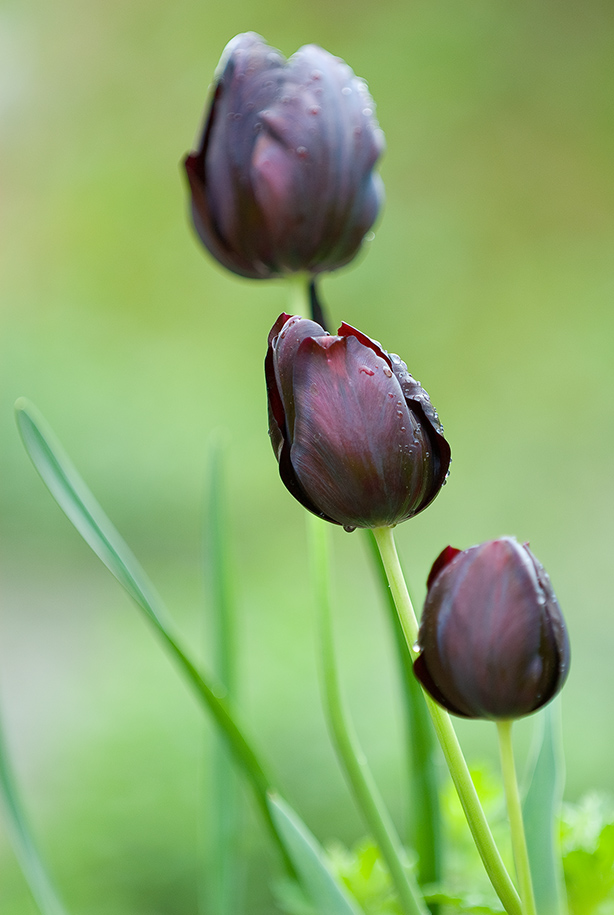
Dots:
(346, 90)
(388, 372)
(349, 528)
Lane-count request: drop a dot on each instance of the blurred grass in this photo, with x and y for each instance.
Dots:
(491, 274)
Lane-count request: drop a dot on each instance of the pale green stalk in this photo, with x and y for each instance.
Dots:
(444, 729)
(425, 815)
(298, 293)
(514, 812)
(352, 758)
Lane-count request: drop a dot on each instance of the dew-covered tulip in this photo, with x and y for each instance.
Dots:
(492, 640)
(356, 437)
(283, 179)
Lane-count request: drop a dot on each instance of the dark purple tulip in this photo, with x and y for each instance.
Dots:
(493, 642)
(283, 179)
(357, 439)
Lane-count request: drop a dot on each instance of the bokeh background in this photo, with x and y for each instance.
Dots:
(491, 273)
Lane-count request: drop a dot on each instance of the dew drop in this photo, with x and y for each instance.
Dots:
(366, 370)
(390, 394)
(346, 90)
(402, 428)
(416, 647)
(400, 413)
(316, 74)
(367, 112)
(394, 358)
(349, 528)
(315, 109)
(301, 152)
(388, 372)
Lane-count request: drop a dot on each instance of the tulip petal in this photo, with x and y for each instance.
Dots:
(354, 447)
(283, 178)
(492, 637)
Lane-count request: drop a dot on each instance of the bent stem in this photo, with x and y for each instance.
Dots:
(514, 812)
(356, 768)
(425, 819)
(446, 735)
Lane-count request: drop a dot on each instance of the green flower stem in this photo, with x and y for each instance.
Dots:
(444, 729)
(425, 819)
(514, 812)
(298, 294)
(350, 753)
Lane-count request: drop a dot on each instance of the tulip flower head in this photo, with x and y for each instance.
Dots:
(356, 437)
(283, 178)
(493, 642)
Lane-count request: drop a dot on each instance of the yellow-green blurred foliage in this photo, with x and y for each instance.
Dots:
(492, 274)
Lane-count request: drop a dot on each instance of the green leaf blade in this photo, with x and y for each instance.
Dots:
(81, 508)
(224, 875)
(326, 893)
(541, 810)
(24, 846)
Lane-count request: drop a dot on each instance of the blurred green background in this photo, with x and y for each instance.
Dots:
(492, 274)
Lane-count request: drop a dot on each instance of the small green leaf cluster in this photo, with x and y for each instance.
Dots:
(587, 839)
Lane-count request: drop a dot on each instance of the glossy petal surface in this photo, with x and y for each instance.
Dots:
(351, 446)
(283, 179)
(492, 636)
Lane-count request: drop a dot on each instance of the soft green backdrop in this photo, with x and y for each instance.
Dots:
(492, 274)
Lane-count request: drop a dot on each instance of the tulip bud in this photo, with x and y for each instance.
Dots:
(356, 437)
(283, 178)
(492, 638)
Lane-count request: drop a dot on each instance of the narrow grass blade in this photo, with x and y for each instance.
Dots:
(541, 810)
(325, 892)
(424, 827)
(79, 505)
(24, 845)
(223, 873)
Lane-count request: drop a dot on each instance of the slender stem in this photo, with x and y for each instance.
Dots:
(444, 729)
(424, 831)
(344, 737)
(299, 301)
(514, 812)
